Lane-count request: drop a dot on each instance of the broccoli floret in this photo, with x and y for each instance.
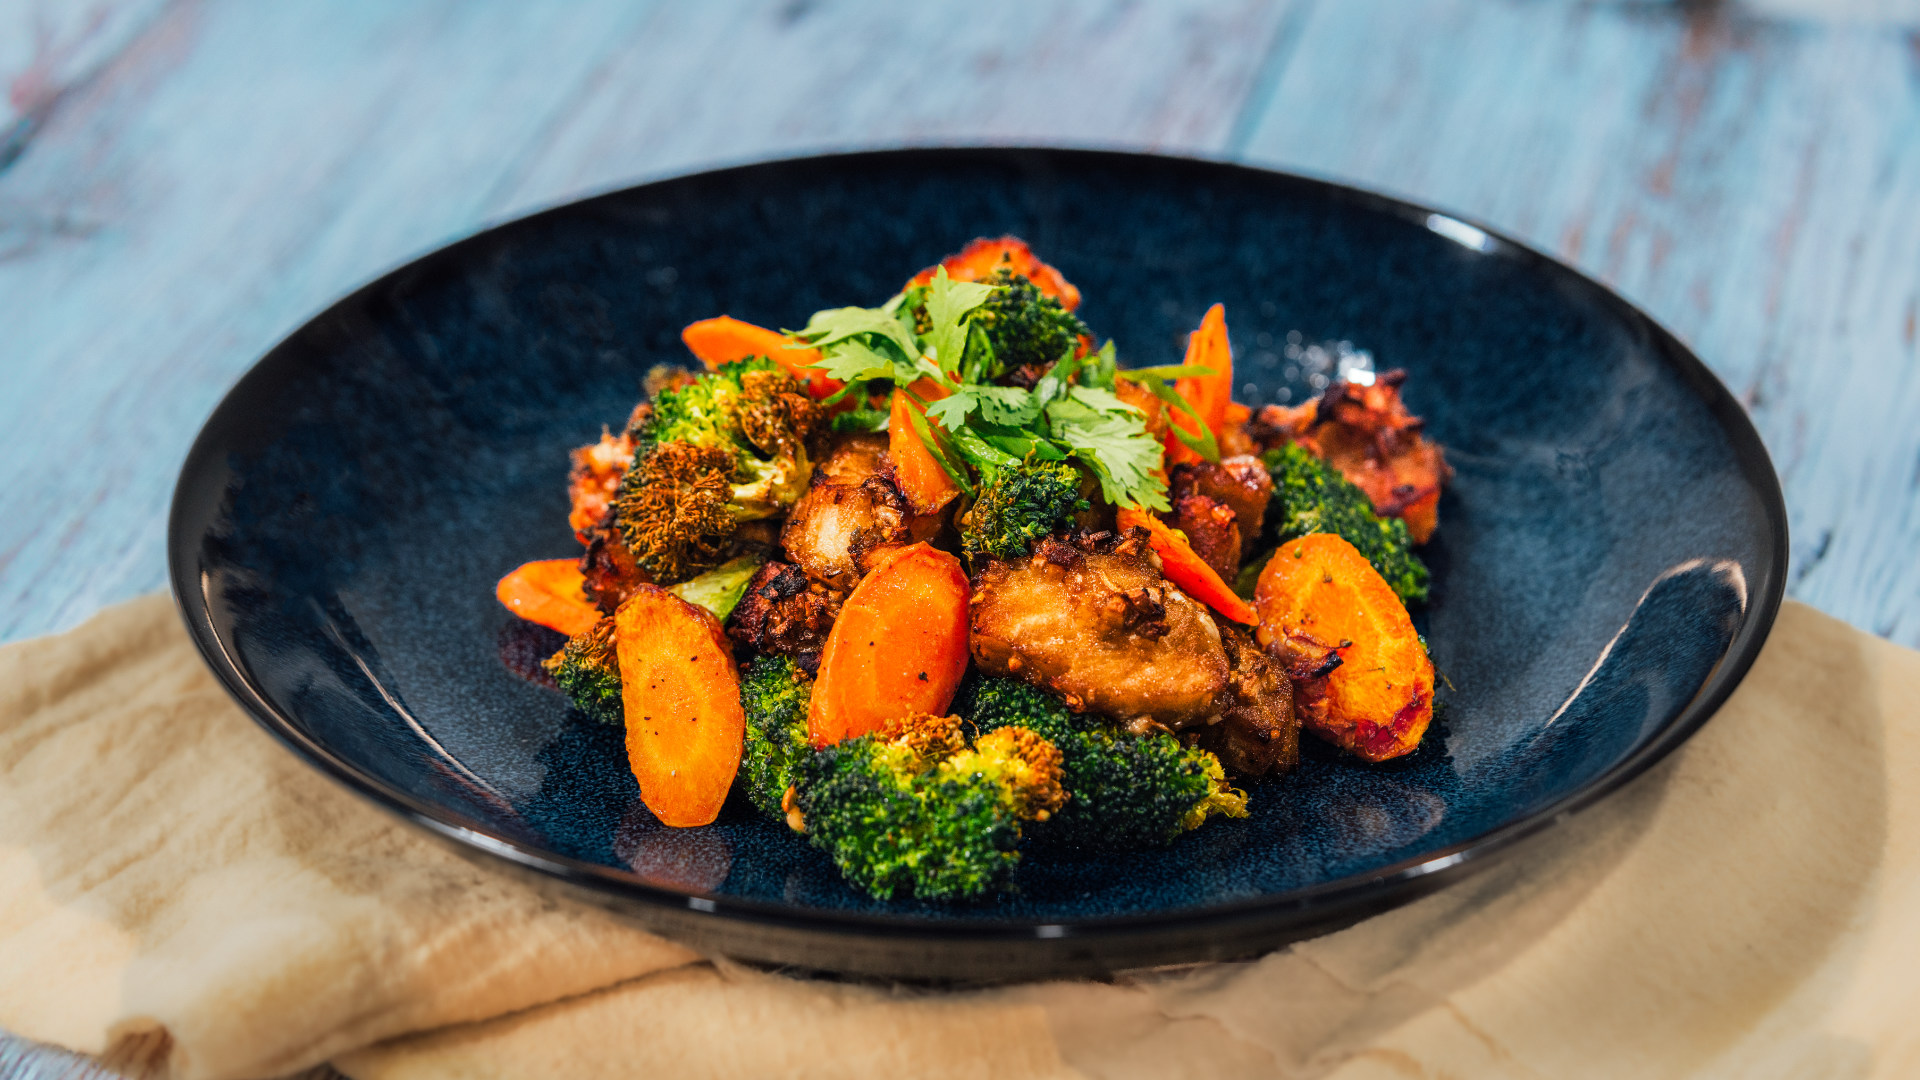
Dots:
(775, 693)
(588, 672)
(1128, 791)
(1020, 505)
(1026, 327)
(756, 413)
(673, 510)
(1311, 496)
(912, 810)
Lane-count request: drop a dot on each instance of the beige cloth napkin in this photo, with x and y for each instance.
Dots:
(1749, 908)
(167, 869)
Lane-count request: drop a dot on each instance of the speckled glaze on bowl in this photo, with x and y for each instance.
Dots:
(1609, 560)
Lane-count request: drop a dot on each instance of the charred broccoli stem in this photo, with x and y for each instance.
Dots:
(775, 693)
(1310, 496)
(1021, 505)
(914, 811)
(588, 672)
(1026, 327)
(1128, 791)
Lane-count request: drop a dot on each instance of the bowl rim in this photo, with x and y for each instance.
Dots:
(1309, 908)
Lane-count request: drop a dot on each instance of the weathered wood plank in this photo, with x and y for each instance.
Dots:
(809, 77)
(1754, 185)
(48, 49)
(243, 164)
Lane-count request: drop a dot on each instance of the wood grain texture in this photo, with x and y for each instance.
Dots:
(1754, 185)
(211, 173)
(240, 165)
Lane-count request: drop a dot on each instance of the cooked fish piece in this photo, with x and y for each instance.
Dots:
(1094, 621)
(608, 566)
(852, 457)
(851, 509)
(1212, 531)
(1242, 483)
(1257, 733)
(1365, 431)
(786, 613)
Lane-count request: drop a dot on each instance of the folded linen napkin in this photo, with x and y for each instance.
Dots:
(168, 873)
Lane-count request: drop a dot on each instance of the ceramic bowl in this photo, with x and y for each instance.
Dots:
(1609, 559)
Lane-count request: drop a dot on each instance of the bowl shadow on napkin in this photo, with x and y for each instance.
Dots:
(1666, 920)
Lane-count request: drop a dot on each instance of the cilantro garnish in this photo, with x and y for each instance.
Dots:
(980, 428)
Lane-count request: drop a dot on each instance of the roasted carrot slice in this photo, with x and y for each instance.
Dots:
(917, 472)
(982, 257)
(550, 592)
(681, 693)
(726, 339)
(1185, 568)
(899, 647)
(1320, 590)
(1210, 395)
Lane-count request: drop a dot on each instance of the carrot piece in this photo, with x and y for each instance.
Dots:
(551, 592)
(681, 692)
(983, 256)
(1318, 591)
(918, 473)
(1185, 568)
(1210, 395)
(899, 647)
(725, 339)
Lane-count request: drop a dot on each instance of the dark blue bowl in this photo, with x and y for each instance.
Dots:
(1610, 556)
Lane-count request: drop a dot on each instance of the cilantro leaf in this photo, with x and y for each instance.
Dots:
(835, 325)
(1003, 406)
(1098, 399)
(948, 303)
(1116, 445)
(852, 361)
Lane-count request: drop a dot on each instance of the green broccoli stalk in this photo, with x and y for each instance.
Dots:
(1019, 505)
(1129, 791)
(720, 590)
(589, 673)
(912, 810)
(1024, 328)
(775, 693)
(1310, 496)
(754, 412)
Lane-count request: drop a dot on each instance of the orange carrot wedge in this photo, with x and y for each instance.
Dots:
(921, 479)
(681, 692)
(725, 339)
(899, 647)
(1187, 569)
(1210, 395)
(550, 592)
(1379, 700)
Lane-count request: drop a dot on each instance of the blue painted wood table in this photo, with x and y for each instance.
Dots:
(182, 183)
